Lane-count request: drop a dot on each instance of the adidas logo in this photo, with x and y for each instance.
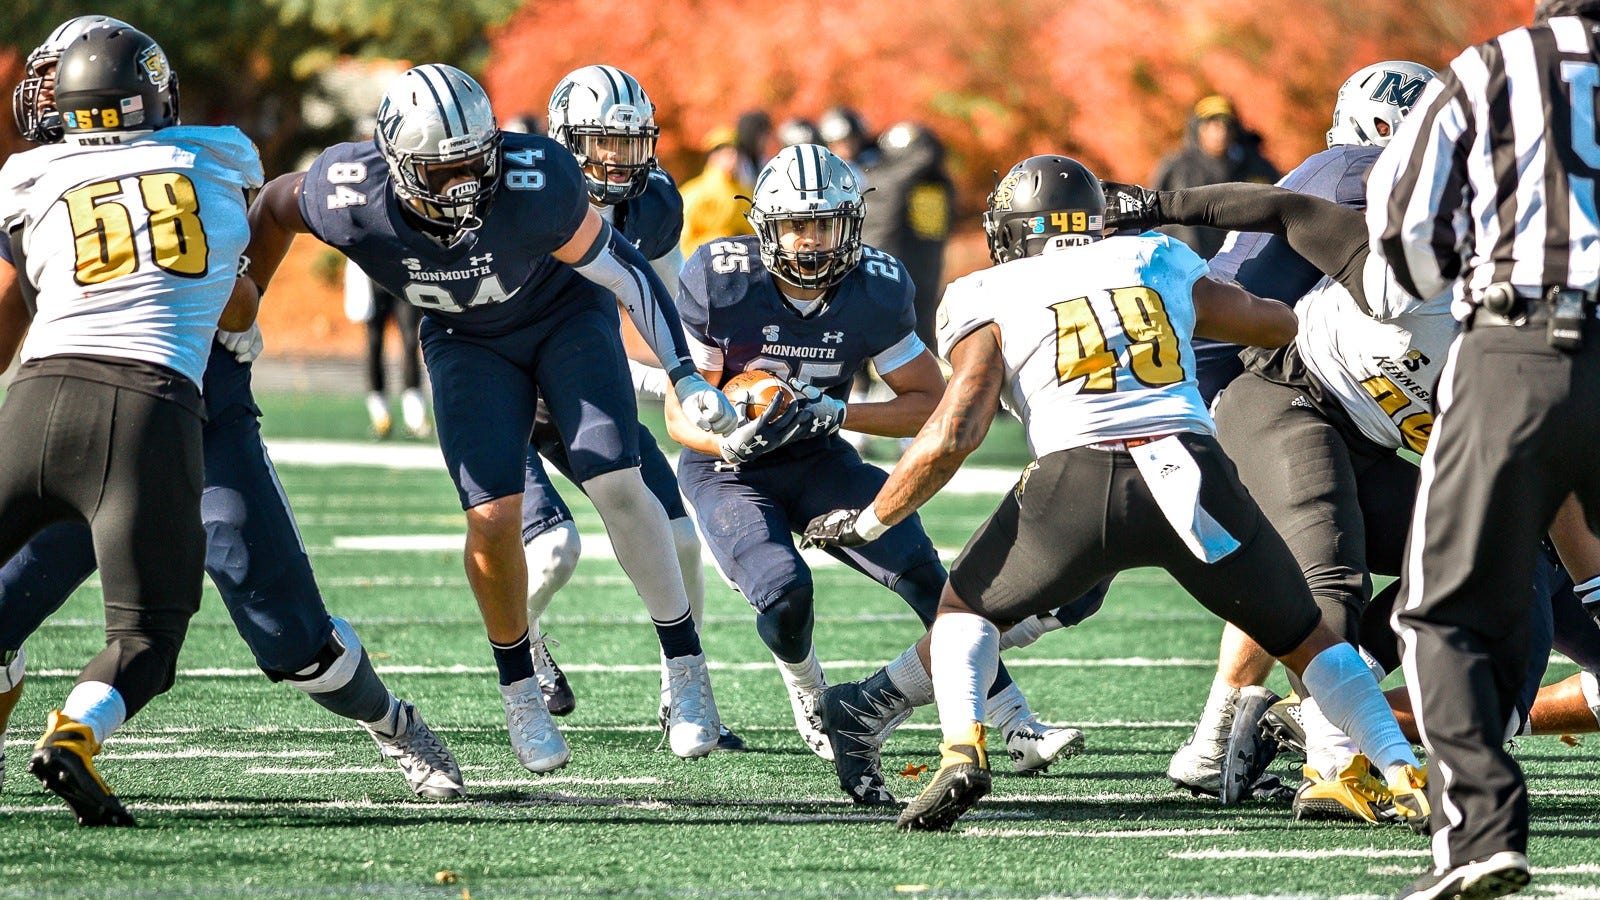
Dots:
(1300, 401)
(1168, 469)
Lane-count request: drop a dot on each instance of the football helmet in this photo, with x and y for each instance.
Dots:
(1044, 203)
(437, 132)
(808, 184)
(113, 82)
(1373, 101)
(605, 118)
(36, 115)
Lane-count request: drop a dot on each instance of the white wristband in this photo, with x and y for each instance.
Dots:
(868, 526)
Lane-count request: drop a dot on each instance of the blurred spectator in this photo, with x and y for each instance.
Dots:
(753, 136)
(845, 133)
(365, 301)
(710, 209)
(909, 209)
(798, 131)
(1216, 148)
(525, 123)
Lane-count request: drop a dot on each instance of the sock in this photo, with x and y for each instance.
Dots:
(805, 674)
(967, 648)
(363, 698)
(911, 677)
(552, 556)
(388, 724)
(1328, 750)
(515, 660)
(1351, 700)
(687, 542)
(639, 531)
(1008, 709)
(1218, 703)
(1023, 633)
(885, 698)
(12, 666)
(413, 409)
(97, 705)
(678, 638)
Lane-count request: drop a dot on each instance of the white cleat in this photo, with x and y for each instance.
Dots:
(693, 725)
(429, 767)
(807, 708)
(1033, 746)
(1197, 765)
(534, 736)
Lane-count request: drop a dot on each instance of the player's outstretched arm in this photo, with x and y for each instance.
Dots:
(918, 386)
(275, 219)
(1227, 312)
(14, 315)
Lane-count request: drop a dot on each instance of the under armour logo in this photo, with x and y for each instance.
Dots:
(833, 337)
(770, 332)
(483, 260)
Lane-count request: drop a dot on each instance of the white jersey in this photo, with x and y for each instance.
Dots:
(1096, 339)
(133, 247)
(1383, 372)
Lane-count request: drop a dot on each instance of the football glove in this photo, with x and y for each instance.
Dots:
(706, 407)
(245, 345)
(767, 432)
(1131, 208)
(843, 528)
(827, 411)
(1589, 595)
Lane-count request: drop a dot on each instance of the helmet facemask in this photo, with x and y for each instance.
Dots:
(810, 197)
(616, 161)
(451, 189)
(33, 99)
(438, 134)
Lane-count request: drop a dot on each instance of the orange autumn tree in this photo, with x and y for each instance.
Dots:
(1111, 83)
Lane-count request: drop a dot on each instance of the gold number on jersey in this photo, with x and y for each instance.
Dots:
(1081, 350)
(104, 228)
(1416, 428)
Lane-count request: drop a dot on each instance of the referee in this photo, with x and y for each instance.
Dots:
(1490, 186)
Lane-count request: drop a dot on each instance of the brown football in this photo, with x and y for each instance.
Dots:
(752, 391)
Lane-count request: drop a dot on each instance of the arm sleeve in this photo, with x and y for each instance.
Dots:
(1419, 185)
(615, 265)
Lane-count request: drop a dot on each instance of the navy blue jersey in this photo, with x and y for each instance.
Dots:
(491, 281)
(653, 220)
(732, 309)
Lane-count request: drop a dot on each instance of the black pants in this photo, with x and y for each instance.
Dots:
(1516, 433)
(406, 317)
(128, 462)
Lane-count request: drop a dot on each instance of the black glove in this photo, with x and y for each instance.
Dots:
(1131, 208)
(766, 433)
(842, 528)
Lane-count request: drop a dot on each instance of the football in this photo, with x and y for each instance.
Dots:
(752, 391)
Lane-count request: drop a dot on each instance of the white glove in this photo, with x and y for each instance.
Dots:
(827, 411)
(245, 345)
(706, 407)
(1589, 595)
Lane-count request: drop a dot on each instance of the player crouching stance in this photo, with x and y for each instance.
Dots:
(1089, 341)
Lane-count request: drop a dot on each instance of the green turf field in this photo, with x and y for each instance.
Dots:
(245, 788)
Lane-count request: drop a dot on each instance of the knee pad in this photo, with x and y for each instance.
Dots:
(785, 624)
(333, 666)
(12, 665)
(227, 555)
(552, 556)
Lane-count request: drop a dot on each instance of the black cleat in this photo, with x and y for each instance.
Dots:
(552, 681)
(1282, 723)
(854, 719)
(1482, 879)
(962, 780)
(1249, 750)
(64, 761)
(728, 742)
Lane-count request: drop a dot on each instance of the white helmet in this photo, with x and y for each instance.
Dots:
(604, 117)
(1373, 101)
(41, 122)
(807, 182)
(435, 125)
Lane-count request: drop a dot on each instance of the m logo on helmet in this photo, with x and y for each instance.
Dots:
(155, 67)
(1399, 90)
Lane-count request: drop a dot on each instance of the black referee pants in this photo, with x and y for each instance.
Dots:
(130, 465)
(1516, 433)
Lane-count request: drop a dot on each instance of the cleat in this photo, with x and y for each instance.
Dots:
(1282, 723)
(1410, 799)
(806, 705)
(2, 760)
(1271, 789)
(429, 767)
(1355, 795)
(552, 681)
(1033, 746)
(853, 718)
(693, 724)
(1503, 873)
(728, 742)
(962, 780)
(1197, 766)
(64, 761)
(534, 736)
(1248, 751)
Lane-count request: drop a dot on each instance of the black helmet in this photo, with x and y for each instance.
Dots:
(113, 81)
(36, 117)
(1044, 201)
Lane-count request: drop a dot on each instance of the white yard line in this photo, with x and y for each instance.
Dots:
(1330, 853)
(1078, 833)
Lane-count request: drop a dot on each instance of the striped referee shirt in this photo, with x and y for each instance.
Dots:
(1492, 178)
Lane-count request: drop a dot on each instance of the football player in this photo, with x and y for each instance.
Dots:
(519, 278)
(1088, 340)
(604, 117)
(803, 298)
(254, 553)
(102, 424)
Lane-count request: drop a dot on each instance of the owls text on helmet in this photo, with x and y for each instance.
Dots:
(604, 117)
(1373, 101)
(808, 193)
(438, 134)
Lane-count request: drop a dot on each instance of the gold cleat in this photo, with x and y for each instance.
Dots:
(64, 761)
(1411, 799)
(1354, 795)
(962, 780)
